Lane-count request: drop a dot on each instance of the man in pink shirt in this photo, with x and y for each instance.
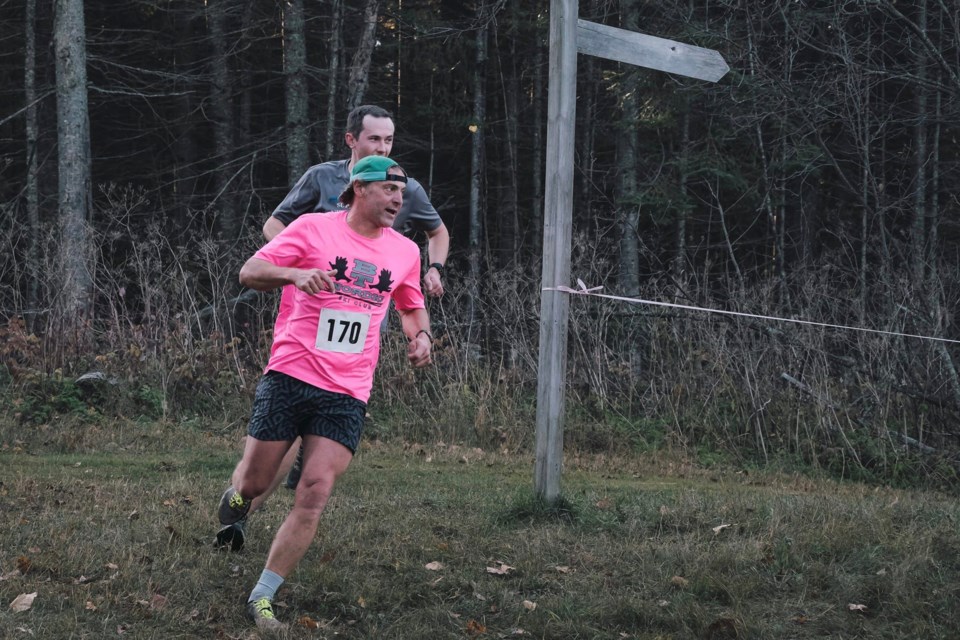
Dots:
(341, 270)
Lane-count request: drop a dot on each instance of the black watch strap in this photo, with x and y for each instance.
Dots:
(437, 266)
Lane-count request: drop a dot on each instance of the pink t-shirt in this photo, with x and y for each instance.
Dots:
(332, 340)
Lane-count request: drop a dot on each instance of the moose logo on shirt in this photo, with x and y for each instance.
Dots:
(360, 280)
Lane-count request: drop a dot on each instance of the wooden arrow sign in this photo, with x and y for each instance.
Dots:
(568, 35)
(649, 51)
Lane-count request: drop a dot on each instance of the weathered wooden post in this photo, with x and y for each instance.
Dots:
(568, 35)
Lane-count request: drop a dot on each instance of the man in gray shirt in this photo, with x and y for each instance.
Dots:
(370, 131)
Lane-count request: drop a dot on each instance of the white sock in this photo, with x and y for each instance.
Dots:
(266, 587)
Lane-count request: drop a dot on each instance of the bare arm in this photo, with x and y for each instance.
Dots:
(416, 326)
(263, 276)
(438, 246)
(272, 227)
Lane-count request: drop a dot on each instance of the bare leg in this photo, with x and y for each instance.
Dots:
(280, 475)
(323, 462)
(258, 468)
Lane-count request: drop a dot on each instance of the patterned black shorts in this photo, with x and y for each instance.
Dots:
(284, 408)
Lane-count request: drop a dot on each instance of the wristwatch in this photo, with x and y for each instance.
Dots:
(437, 266)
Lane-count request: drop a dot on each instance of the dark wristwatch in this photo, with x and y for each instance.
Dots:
(437, 266)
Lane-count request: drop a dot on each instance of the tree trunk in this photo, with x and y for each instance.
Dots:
(294, 63)
(73, 160)
(477, 170)
(586, 126)
(244, 65)
(360, 67)
(333, 77)
(32, 180)
(680, 225)
(508, 228)
(918, 230)
(933, 212)
(186, 165)
(628, 204)
(221, 110)
(538, 149)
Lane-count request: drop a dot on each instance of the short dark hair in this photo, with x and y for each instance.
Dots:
(356, 116)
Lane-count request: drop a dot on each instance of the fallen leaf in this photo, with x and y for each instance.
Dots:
(111, 566)
(158, 602)
(13, 574)
(721, 528)
(529, 606)
(362, 602)
(433, 566)
(663, 603)
(563, 569)
(604, 503)
(475, 628)
(679, 582)
(24, 564)
(23, 602)
(133, 515)
(90, 606)
(308, 622)
(857, 607)
(501, 570)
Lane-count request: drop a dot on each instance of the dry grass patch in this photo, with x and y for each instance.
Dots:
(446, 542)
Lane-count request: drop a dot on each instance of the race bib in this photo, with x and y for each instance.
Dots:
(342, 331)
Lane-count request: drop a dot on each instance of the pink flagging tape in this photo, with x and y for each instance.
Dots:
(592, 291)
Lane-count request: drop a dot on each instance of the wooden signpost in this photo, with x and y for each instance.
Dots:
(568, 35)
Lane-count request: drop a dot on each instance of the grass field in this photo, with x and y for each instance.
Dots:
(444, 542)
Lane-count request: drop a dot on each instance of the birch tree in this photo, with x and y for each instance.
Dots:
(73, 160)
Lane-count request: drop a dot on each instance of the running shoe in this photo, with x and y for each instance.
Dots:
(261, 612)
(232, 535)
(232, 506)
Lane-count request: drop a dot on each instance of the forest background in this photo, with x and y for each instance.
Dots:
(142, 145)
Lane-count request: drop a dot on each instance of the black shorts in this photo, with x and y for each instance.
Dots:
(284, 408)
